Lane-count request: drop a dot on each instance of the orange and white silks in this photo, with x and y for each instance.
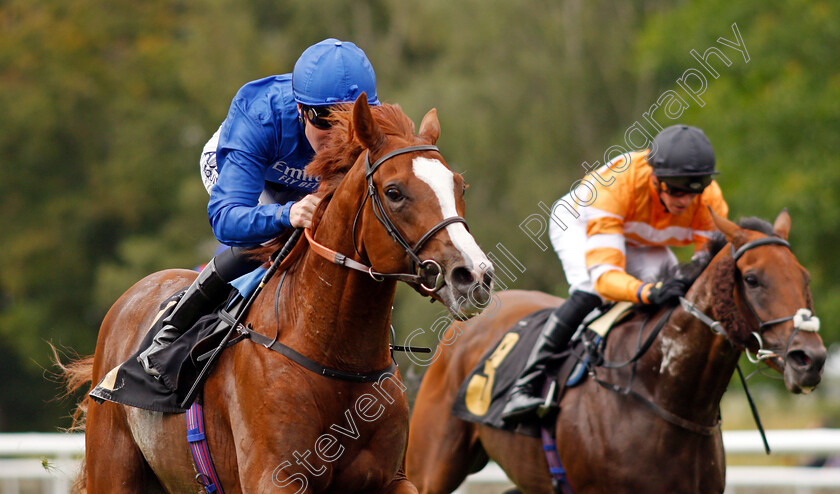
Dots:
(625, 219)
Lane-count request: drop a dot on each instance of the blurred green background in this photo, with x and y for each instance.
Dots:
(105, 106)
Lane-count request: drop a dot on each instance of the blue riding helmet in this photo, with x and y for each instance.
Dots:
(332, 72)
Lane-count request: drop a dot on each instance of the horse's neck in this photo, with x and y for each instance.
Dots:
(336, 316)
(696, 364)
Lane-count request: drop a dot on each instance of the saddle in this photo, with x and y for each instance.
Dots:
(180, 363)
(484, 392)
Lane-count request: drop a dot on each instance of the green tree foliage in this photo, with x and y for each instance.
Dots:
(107, 104)
(104, 106)
(773, 120)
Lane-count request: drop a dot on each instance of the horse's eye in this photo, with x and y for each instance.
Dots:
(751, 280)
(394, 194)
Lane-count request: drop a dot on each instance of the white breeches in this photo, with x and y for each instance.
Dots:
(642, 262)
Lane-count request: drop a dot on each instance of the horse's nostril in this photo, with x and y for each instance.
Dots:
(803, 360)
(462, 277)
(799, 358)
(487, 280)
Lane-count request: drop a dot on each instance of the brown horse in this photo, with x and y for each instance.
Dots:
(272, 425)
(611, 442)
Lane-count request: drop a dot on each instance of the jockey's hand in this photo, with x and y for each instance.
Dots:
(300, 214)
(667, 292)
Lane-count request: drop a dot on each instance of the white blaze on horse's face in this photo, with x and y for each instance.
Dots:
(442, 182)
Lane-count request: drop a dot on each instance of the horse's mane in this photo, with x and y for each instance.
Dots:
(756, 224)
(341, 152)
(692, 270)
(725, 278)
(343, 148)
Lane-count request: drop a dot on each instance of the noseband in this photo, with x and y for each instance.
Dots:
(426, 273)
(803, 319)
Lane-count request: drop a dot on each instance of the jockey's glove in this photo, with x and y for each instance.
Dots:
(667, 292)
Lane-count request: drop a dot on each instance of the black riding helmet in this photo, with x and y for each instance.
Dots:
(683, 158)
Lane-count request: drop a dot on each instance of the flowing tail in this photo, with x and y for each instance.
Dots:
(75, 374)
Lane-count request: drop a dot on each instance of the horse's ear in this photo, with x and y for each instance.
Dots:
(781, 226)
(430, 126)
(733, 233)
(364, 126)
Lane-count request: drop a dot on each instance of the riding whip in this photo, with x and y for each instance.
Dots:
(205, 372)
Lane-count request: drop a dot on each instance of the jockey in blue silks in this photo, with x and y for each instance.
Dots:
(253, 168)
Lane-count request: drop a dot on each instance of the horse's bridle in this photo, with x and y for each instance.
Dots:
(422, 269)
(803, 319)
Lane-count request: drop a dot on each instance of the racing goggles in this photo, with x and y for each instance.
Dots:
(317, 116)
(685, 185)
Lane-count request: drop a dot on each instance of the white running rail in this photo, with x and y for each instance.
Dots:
(38, 462)
(47, 463)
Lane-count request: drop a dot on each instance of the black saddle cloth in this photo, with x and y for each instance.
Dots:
(484, 393)
(130, 385)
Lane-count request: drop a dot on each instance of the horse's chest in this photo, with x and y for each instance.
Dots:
(372, 430)
(352, 439)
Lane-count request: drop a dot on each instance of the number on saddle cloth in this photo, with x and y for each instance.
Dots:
(482, 396)
(484, 392)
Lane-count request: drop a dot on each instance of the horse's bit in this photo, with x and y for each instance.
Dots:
(422, 270)
(803, 319)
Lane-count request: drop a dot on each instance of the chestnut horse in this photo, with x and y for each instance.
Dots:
(612, 442)
(271, 424)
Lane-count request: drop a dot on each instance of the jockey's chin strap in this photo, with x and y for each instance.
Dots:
(803, 320)
(428, 274)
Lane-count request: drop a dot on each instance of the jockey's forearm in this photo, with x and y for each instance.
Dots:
(619, 286)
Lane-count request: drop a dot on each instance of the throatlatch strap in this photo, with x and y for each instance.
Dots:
(200, 452)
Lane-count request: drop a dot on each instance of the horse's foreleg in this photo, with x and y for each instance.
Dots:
(400, 485)
(442, 450)
(272, 474)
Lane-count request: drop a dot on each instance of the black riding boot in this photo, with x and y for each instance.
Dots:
(555, 335)
(206, 292)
